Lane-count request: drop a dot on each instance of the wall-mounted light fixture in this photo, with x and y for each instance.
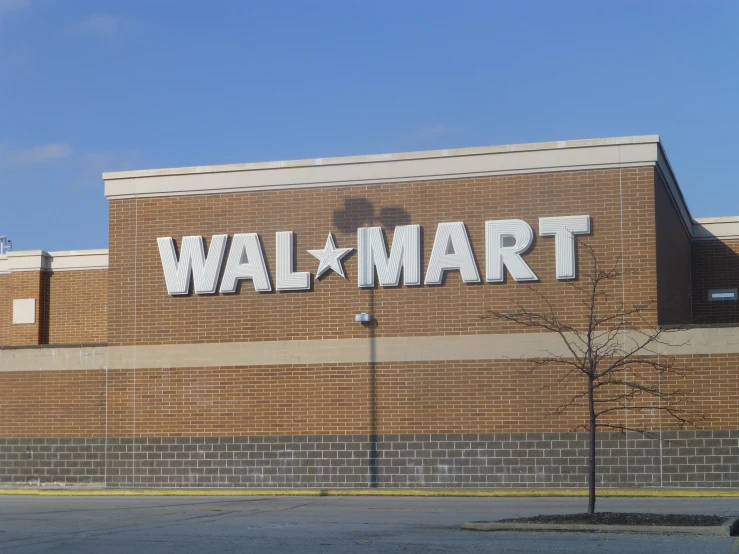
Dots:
(719, 295)
(364, 317)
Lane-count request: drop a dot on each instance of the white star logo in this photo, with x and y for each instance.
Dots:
(330, 257)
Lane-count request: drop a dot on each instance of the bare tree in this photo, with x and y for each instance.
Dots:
(613, 352)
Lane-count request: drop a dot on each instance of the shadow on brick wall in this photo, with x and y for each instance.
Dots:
(360, 212)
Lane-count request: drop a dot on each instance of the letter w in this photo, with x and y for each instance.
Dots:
(193, 262)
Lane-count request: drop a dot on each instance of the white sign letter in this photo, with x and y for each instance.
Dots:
(564, 230)
(246, 261)
(405, 253)
(192, 262)
(499, 255)
(287, 279)
(451, 251)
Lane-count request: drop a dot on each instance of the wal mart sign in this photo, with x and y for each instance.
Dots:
(505, 243)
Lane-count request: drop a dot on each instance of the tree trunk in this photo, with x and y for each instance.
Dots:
(591, 465)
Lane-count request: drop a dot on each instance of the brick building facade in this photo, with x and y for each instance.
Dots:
(110, 373)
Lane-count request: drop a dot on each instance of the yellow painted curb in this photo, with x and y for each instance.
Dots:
(516, 493)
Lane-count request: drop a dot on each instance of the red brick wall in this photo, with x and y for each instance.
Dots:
(78, 307)
(419, 397)
(6, 309)
(328, 311)
(715, 265)
(25, 285)
(52, 404)
(71, 307)
(411, 397)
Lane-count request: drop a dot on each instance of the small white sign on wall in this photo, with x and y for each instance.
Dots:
(24, 311)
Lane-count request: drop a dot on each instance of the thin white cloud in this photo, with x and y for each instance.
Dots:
(9, 7)
(41, 153)
(434, 131)
(12, 57)
(103, 25)
(93, 165)
(15, 58)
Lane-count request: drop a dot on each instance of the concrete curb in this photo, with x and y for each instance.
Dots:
(100, 490)
(727, 529)
(731, 526)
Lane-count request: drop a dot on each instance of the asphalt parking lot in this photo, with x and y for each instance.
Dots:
(30, 524)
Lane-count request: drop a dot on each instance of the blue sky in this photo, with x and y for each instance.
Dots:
(93, 86)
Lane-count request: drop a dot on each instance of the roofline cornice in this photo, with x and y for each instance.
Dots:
(540, 157)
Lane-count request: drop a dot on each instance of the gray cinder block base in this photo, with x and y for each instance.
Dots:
(536, 460)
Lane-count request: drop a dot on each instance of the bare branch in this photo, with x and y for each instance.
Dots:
(614, 348)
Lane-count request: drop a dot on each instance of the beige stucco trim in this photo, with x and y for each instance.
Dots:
(542, 157)
(78, 260)
(387, 168)
(24, 260)
(40, 260)
(385, 159)
(53, 359)
(396, 349)
(331, 351)
(193, 185)
(336, 351)
(716, 228)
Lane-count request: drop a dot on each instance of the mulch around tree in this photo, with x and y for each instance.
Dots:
(618, 518)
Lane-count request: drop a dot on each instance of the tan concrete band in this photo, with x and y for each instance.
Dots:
(338, 351)
(53, 359)
(332, 351)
